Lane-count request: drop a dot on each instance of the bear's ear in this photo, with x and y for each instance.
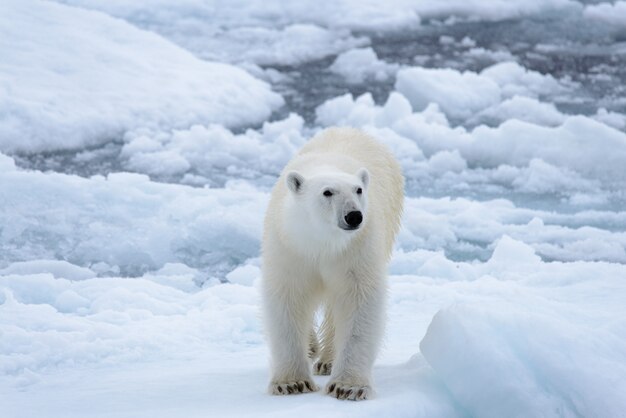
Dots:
(295, 181)
(364, 176)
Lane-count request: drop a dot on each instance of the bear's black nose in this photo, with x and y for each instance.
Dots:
(354, 218)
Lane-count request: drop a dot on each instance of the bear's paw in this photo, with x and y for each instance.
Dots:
(293, 387)
(349, 391)
(322, 368)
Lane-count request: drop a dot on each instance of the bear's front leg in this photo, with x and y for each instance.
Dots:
(359, 323)
(324, 364)
(288, 313)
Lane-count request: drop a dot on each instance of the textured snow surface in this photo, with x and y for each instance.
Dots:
(359, 65)
(71, 78)
(139, 141)
(612, 13)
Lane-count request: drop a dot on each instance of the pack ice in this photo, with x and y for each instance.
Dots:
(139, 141)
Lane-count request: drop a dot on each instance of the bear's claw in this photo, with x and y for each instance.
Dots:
(348, 392)
(322, 368)
(293, 387)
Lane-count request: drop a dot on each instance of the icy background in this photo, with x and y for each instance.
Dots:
(138, 144)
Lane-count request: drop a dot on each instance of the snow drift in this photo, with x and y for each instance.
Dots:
(73, 78)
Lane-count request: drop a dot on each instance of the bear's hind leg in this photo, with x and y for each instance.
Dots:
(314, 345)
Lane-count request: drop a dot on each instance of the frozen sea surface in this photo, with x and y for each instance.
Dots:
(139, 141)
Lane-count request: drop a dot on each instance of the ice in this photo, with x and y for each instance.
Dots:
(447, 161)
(534, 149)
(58, 268)
(129, 223)
(272, 33)
(488, 55)
(501, 322)
(613, 119)
(139, 141)
(522, 108)
(6, 163)
(111, 78)
(245, 275)
(350, 14)
(477, 9)
(358, 65)
(458, 94)
(291, 45)
(611, 13)
(463, 94)
(116, 320)
(509, 252)
(499, 357)
(213, 154)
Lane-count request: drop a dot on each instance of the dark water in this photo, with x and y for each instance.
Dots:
(589, 54)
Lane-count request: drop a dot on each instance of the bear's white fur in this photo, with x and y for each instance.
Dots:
(313, 254)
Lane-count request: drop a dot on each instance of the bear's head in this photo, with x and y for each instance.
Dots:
(328, 206)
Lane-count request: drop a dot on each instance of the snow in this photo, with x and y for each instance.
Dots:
(461, 95)
(611, 13)
(522, 108)
(509, 318)
(271, 33)
(58, 269)
(482, 351)
(139, 141)
(126, 223)
(534, 149)
(494, 10)
(213, 153)
(358, 65)
(56, 94)
(458, 94)
(291, 45)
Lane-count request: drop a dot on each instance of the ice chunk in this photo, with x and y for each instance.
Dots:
(577, 144)
(613, 119)
(574, 145)
(358, 65)
(173, 16)
(69, 301)
(612, 13)
(463, 94)
(458, 94)
(395, 108)
(445, 161)
(244, 275)
(177, 275)
(499, 359)
(213, 154)
(345, 110)
(124, 220)
(58, 268)
(291, 45)
(478, 9)
(462, 227)
(111, 78)
(6, 163)
(527, 109)
(509, 252)
(514, 79)
(362, 112)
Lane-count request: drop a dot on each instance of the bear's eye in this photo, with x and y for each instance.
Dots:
(328, 193)
(359, 191)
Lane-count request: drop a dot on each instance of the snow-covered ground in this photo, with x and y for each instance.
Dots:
(139, 141)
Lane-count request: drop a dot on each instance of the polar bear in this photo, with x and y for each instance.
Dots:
(328, 235)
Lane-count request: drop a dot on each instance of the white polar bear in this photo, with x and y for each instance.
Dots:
(329, 231)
